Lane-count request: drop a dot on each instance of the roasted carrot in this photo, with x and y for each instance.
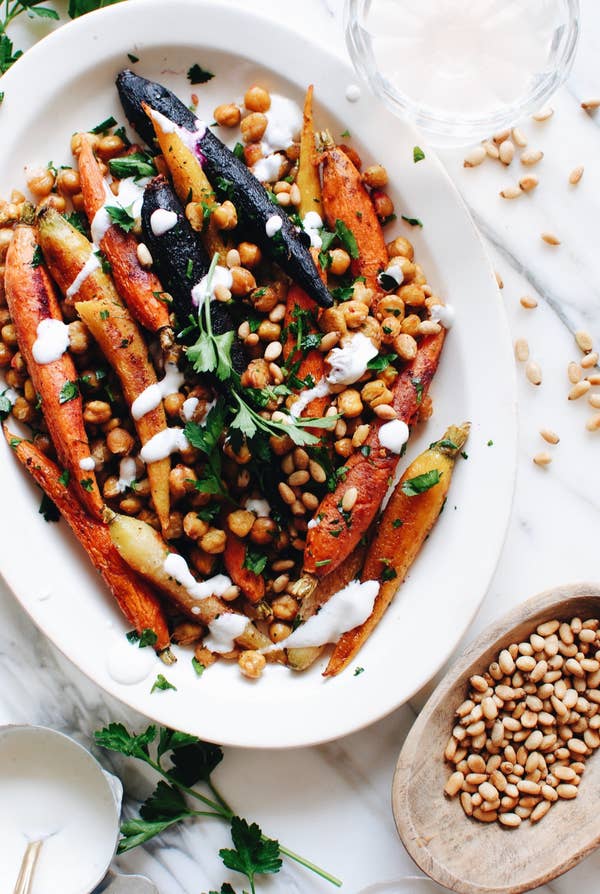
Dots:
(190, 182)
(333, 539)
(405, 525)
(66, 252)
(252, 585)
(308, 180)
(345, 198)
(301, 311)
(135, 597)
(31, 299)
(139, 288)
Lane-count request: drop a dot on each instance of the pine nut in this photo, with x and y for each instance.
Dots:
(511, 192)
(385, 412)
(522, 350)
(590, 104)
(499, 280)
(543, 114)
(528, 302)
(349, 499)
(525, 663)
(491, 149)
(144, 256)
(490, 710)
(317, 472)
(574, 372)
(564, 790)
(531, 157)
(594, 401)
(534, 373)
(506, 151)
(466, 804)
(579, 390)
(550, 238)
(584, 341)
(485, 817)
(297, 479)
(510, 820)
(273, 351)
(519, 137)
(594, 378)
(576, 175)
(539, 811)
(534, 740)
(528, 183)
(428, 327)
(475, 778)
(454, 784)
(501, 136)
(286, 493)
(476, 763)
(549, 436)
(488, 792)
(329, 341)
(474, 157)
(529, 788)
(589, 360)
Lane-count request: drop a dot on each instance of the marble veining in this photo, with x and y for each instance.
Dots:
(331, 802)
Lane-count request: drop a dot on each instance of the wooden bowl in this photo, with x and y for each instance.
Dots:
(463, 854)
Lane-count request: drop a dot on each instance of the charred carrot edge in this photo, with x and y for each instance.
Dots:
(395, 547)
(313, 362)
(138, 287)
(345, 198)
(252, 585)
(135, 597)
(308, 180)
(370, 474)
(31, 298)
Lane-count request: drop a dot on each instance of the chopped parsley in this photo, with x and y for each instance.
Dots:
(198, 75)
(358, 671)
(138, 164)
(413, 221)
(418, 485)
(345, 133)
(418, 154)
(397, 523)
(69, 391)
(105, 125)
(418, 386)
(37, 257)
(133, 59)
(87, 484)
(254, 560)
(122, 217)
(381, 362)
(104, 314)
(490, 443)
(147, 637)
(163, 684)
(238, 151)
(347, 238)
(198, 667)
(48, 510)
(323, 562)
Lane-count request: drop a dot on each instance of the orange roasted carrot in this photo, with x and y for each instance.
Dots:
(138, 287)
(345, 198)
(31, 299)
(333, 539)
(252, 585)
(313, 362)
(135, 597)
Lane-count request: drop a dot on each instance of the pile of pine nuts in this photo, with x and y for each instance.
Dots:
(527, 725)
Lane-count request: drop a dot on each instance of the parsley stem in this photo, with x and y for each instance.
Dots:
(220, 811)
(313, 868)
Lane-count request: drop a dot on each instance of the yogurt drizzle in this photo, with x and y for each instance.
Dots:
(163, 444)
(444, 314)
(162, 220)
(90, 265)
(51, 342)
(177, 568)
(273, 225)
(151, 397)
(224, 631)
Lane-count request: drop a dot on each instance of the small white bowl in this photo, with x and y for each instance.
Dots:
(52, 788)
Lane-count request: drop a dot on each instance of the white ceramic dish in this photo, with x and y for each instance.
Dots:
(64, 84)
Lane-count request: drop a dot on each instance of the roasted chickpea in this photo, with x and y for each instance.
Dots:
(250, 254)
(5, 356)
(110, 488)
(142, 487)
(195, 215)
(375, 393)
(391, 306)
(182, 481)
(285, 607)
(97, 412)
(263, 531)
(371, 329)
(187, 633)
(340, 261)
(388, 375)
(360, 292)
(410, 324)
(130, 505)
(40, 183)
(78, 203)
(355, 313)
(253, 127)
(225, 216)
(43, 443)
(242, 456)
(257, 99)
(173, 404)
(227, 115)
(175, 527)
(279, 631)
(79, 337)
(375, 177)
(343, 447)
(264, 299)
(68, 182)
(252, 663)
(213, 542)
(333, 320)
(349, 403)
(391, 327)
(257, 374)
(242, 281)
(412, 294)
(268, 331)
(119, 442)
(407, 267)
(77, 139)
(240, 522)
(13, 378)
(280, 445)
(53, 201)
(22, 410)
(252, 154)
(383, 205)
(9, 335)
(352, 155)
(401, 247)
(425, 408)
(110, 146)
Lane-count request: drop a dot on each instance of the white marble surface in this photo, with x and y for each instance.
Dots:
(331, 802)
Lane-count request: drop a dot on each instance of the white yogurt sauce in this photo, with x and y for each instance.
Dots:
(127, 473)
(51, 787)
(51, 342)
(345, 610)
(353, 92)
(224, 631)
(189, 407)
(128, 664)
(151, 397)
(162, 220)
(284, 123)
(88, 463)
(261, 508)
(273, 225)
(163, 444)
(394, 435)
(221, 276)
(311, 224)
(395, 273)
(267, 169)
(90, 265)
(189, 138)
(313, 523)
(443, 314)
(321, 389)
(177, 568)
(129, 197)
(349, 363)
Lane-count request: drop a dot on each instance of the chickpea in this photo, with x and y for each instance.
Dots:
(375, 393)
(225, 216)
(285, 608)
(264, 299)
(410, 325)
(96, 412)
(173, 404)
(204, 657)
(250, 254)
(182, 481)
(401, 247)
(384, 207)
(240, 522)
(253, 127)
(242, 281)
(352, 155)
(263, 531)
(9, 335)
(19, 365)
(371, 329)
(252, 663)
(5, 356)
(257, 99)
(78, 138)
(187, 633)
(340, 261)
(407, 267)
(213, 542)
(119, 442)
(388, 375)
(22, 410)
(142, 487)
(343, 447)
(391, 306)
(391, 327)
(13, 378)
(17, 197)
(68, 182)
(79, 337)
(412, 294)
(203, 563)
(252, 154)
(8, 214)
(360, 292)
(280, 445)
(268, 331)
(78, 203)
(227, 115)
(425, 408)
(110, 488)
(40, 183)
(257, 374)
(279, 631)
(175, 526)
(333, 320)
(53, 201)
(355, 313)
(194, 213)
(99, 453)
(375, 177)
(293, 152)
(43, 443)
(405, 346)
(150, 517)
(130, 505)
(419, 277)
(110, 146)
(349, 403)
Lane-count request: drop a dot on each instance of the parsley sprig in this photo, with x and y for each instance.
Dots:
(192, 761)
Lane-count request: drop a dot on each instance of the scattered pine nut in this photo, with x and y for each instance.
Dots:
(574, 372)
(542, 459)
(543, 114)
(550, 238)
(501, 136)
(533, 372)
(506, 151)
(349, 499)
(528, 183)
(593, 423)
(144, 256)
(522, 349)
(531, 157)
(584, 341)
(511, 192)
(579, 390)
(589, 360)
(474, 157)
(549, 436)
(594, 379)
(499, 280)
(576, 175)
(594, 401)
(519, 137)
(590, 104)
(491, 149)
(528, 302)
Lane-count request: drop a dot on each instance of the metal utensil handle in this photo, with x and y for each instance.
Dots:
(27, 870)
